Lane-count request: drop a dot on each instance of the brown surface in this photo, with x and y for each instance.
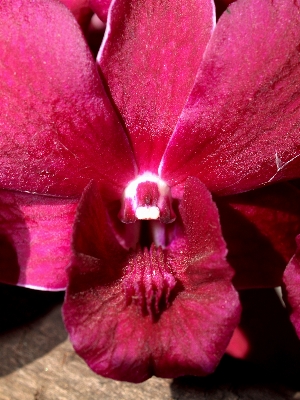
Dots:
(38, 363)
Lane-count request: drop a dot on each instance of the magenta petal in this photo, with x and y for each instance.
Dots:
(119, 337)
(260, 227)
(240, 128)
(58, 129)
(80, 9)
(93, 232)
(35, 239)
(149, 60)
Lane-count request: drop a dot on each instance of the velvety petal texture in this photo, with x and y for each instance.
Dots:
(152, 311)
(240, 127)
(172, 110)
(58, 129)
(259, 228)
(80, 9)
(149, 58)
(35, 239)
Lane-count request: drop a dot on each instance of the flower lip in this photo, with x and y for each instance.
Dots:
(165, 311)
(149, 282)
(147, 198)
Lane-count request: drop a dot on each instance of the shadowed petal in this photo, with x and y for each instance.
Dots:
(35, 237)
(100, 7)
(265, 335)
(291, 279)
(119, 337)
(80, 9)
(58, 129)
(260, 227)
(240, 128)
(84, 9)
(149, 59)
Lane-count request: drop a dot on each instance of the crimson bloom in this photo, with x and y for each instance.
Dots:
(185, 108)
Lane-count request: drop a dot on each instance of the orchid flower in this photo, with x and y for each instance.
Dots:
(176, 109)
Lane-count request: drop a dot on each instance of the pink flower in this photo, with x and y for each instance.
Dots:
(190, 109)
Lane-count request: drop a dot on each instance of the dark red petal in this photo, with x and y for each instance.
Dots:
(260, 229)
(151, 54)
(240, 128)
(58, 129)
(93, 232)
(207, 310)
(202, 224)
(35, 239)
(116, 337)
(291, 279)
(195, 332)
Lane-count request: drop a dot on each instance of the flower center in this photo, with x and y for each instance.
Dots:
(147, 198)
(149, 281)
